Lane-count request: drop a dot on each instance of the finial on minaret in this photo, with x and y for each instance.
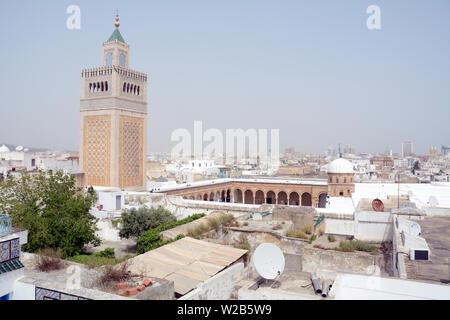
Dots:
(117, 19)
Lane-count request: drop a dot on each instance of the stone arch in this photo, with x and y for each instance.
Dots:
(191, 198)
(282, 198)
(322, 200)
(248, 195)
(259, 197)
(271, 197)
(211, 196)
(228, 196)
(217, 196)
(124, 87)
(205, 197)
(238, 196)
(294, 199)
(199, 197)
(106, 85)
(306, 199)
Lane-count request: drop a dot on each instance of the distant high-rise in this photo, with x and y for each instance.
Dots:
(407, 148)
(433, 151)
(445, 150)
(113, 109)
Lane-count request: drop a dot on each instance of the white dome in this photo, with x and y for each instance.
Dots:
(340, 166)
(4, 148)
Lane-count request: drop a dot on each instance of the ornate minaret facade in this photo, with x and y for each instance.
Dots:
(113, 124)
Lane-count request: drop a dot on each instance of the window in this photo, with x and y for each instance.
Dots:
(118, 202)
(109, 59)
(122, 60)
(345, 180)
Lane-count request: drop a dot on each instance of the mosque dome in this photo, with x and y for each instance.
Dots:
(340, 166)
(4, 148)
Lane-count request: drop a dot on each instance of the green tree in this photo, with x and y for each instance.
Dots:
(53, 210)
(135, 222)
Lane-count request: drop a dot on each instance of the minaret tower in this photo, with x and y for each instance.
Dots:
(113, 108)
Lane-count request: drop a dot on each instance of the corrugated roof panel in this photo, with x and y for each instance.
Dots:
(187, 262)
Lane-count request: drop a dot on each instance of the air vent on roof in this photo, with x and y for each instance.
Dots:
(419, 254)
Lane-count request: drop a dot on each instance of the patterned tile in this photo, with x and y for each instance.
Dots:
(4, 251)
(15, 248)
(96, 150)
(131, 141)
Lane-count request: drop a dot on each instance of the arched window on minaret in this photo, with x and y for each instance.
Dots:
(103, 87)
(124, 86)
(106, 85)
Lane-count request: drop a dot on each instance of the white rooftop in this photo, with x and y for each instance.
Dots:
(418, 192)
(4, 148)
(362, 287)
(340, 205)
(319, 182)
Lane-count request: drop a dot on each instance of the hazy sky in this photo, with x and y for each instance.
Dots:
(309, 68)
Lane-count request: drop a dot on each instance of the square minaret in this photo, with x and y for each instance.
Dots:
(113, 124)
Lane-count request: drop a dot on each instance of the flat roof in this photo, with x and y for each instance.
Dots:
(363, 287)
(435, 230)
(187, 262)
(418, 192)
(318, 182)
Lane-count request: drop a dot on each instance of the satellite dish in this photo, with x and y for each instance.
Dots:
(378, 205)
(19, 148)
(414, 229)
(433, 201)
(268, 261)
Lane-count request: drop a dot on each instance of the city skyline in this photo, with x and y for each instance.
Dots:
(314, 71)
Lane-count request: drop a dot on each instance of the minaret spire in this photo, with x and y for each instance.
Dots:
(117, 24)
